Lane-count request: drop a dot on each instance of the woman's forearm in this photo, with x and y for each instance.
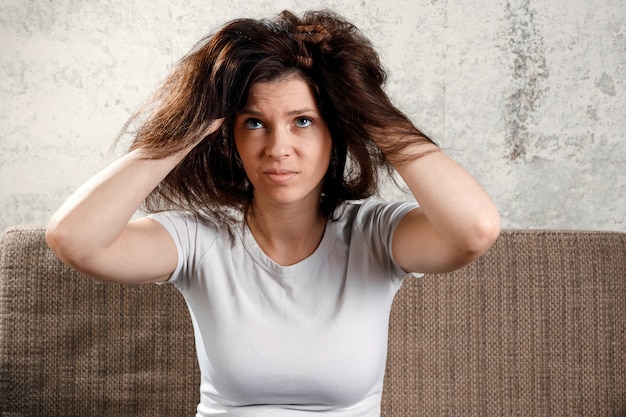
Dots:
(95, 214)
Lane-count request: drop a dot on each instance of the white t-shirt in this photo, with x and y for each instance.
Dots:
(290, 340)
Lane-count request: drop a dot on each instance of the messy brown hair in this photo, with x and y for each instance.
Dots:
(212, 82)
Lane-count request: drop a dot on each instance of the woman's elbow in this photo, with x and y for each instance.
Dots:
(63, 243)
(53, 235)
(481, 236)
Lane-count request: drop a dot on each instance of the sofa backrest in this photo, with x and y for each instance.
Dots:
(73, 346)
(536, 327)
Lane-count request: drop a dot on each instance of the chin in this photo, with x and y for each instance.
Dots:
(287, 198)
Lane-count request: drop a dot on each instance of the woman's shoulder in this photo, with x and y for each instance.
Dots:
(374, 208)
(370, 218)
(192, 223)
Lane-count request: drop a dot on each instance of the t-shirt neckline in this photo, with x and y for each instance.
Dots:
(290, 271)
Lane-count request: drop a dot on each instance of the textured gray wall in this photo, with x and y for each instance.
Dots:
(529, 95)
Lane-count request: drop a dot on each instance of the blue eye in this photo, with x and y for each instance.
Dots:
(303, 122)
(253, 124)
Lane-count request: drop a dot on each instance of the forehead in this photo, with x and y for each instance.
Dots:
(292, 90)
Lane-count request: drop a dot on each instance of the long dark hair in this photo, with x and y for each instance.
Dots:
(213, 81)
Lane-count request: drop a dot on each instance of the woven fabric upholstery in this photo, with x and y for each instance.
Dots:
(536, 327)
(72, 346)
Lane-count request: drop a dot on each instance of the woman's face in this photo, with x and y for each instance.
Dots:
(284, 144)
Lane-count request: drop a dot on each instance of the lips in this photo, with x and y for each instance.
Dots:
(279, 176)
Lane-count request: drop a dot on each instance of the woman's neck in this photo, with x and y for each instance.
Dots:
(287, 235)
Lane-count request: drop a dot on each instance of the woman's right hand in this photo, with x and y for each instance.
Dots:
(93, 232)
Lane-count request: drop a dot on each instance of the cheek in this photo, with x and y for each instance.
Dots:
(244, 156)
(246, 148)
(239, 139)
(328, 151)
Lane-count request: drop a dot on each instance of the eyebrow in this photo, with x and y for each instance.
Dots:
(252, 112)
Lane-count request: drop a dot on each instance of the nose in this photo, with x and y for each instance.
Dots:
(279, 144)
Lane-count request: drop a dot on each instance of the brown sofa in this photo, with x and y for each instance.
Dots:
(536, 327)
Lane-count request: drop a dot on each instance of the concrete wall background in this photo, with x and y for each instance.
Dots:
(528, 95)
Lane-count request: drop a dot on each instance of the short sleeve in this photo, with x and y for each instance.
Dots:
(378, 221)
(191, 235)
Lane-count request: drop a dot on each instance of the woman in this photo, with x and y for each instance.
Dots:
(249, 158)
